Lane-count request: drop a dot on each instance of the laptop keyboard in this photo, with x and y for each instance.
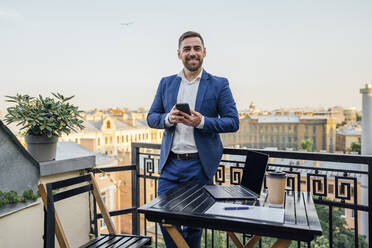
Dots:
(236, 191)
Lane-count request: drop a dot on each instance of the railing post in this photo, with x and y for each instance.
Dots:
(135, 190)
(369, 203)
(330, 225)
(50, 218)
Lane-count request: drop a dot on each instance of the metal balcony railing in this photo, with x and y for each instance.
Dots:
(336, 181)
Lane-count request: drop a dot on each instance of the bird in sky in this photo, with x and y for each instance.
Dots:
(126, 23)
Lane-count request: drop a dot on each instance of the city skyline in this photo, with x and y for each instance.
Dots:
(114, 54)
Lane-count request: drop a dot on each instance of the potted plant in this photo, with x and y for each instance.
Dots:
(43, 121)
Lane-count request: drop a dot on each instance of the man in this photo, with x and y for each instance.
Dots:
(191, 148)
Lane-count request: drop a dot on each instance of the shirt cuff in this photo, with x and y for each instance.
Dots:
(201, 124)
(167, 123)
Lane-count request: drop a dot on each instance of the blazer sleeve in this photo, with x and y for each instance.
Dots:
(156, 115)
(228, 119)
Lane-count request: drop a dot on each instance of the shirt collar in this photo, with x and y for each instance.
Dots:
(182, 76)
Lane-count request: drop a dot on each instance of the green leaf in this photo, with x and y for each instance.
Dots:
(49, 115)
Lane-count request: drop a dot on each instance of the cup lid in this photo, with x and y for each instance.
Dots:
(277, 174)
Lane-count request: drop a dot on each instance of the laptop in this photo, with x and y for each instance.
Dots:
(251, 183)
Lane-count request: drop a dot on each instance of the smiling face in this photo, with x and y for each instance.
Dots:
(192, 53)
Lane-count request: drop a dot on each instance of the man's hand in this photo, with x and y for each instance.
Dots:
(192, 120)
(175, 116)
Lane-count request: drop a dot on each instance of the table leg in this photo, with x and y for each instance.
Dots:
(250, 243)
(176, 236)
(235, 240)
(281, 243)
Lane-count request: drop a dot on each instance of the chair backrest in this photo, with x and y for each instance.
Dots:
(52, 225)
(254, 171)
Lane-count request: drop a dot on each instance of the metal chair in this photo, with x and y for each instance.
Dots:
(53, 227)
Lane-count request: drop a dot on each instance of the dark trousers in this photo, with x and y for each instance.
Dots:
(176, 172)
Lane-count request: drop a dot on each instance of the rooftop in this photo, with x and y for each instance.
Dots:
(350, 131)
(291, 118)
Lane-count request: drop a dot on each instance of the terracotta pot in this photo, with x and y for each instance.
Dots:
(42, 148)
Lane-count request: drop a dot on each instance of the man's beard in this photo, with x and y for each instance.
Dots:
(193, 67)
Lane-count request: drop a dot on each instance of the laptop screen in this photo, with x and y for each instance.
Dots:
(254, 171)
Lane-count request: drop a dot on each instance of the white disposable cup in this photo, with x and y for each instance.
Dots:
(276, 188)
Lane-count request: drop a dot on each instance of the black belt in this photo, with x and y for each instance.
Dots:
(184, 156)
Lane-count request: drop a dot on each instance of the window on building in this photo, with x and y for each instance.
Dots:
(345, 213)
(320, 187)
(105, 201)
(76, 140)
(331, 188)
(98, 142)
(122, 139)
(342, 190)
(108, 124)
(111, 140)
(117, 140)
(106, 140)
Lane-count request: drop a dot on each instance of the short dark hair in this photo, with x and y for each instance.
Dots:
(189, 34)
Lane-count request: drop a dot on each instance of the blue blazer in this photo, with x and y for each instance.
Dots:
(214, 101)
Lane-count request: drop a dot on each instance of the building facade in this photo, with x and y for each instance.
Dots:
(345, 137)
(113, 133)
(283, 131)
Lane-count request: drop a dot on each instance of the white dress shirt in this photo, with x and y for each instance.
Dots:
(183, 140)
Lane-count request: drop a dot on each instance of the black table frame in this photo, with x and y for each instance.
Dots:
(185, 205)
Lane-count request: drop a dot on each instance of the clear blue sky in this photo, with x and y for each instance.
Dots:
(275, 53)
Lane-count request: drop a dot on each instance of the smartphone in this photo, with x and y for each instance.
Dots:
(184, 107)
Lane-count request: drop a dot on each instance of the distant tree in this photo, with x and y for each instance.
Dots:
(307, 145)
(358, 117)
(342, 236)
(340, 124)
(356, 147)
(219, 239)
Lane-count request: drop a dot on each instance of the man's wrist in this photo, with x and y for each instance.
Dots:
(167, 121)
(201, 124)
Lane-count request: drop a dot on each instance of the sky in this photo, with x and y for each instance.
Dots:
(286, 53)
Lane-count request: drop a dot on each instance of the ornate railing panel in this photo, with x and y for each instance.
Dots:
(334, 179)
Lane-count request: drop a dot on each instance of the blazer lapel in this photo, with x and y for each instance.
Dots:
(203, 85)
(174, 88)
